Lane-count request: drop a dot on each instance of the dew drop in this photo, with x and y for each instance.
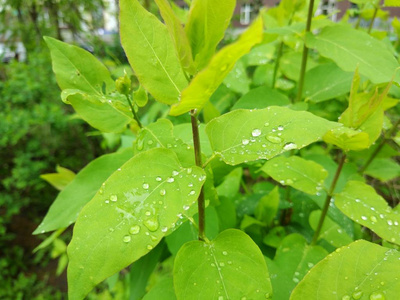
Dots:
(364, 218)
(373, 219)
(192, 192)
(266, 124)
(377, 296)
(221, 298)
(164, 229)
(149, 247)
(224, 253)
(170, 179)
(145, 186)
(162, 192)
(139, 144)
(186, 207)
(357, 295)
(174, 173)
(150, 142)
(158, 178)
(274, 139)
(346, 297)
(245, 141)
(289, 181)
(256, 132)
(113, 198)
(107, 201)
(390, 222)
(280, 127)
(134, 229)
(151, 224)
(202, 178)
(127, 239)
(290, 146)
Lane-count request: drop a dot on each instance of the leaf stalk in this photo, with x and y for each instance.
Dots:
(197, 155)
(328, 199)
(305, 53)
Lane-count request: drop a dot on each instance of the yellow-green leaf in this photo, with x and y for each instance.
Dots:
(151, 52)
(347, 139)
(178, 35)
(206, 27)
(196, 95)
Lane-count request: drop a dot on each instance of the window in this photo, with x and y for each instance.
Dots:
(246, 14)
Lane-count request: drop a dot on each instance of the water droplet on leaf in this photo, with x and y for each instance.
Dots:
(256, 132)
(151, 224)
(274, 139)
(134, 229)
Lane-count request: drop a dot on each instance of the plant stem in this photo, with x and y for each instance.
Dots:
(380, 146)
(197, 155)
(373, 19)
(134, 112)
(278, 59)
(279, 55)
(328, 200)
(305, 53)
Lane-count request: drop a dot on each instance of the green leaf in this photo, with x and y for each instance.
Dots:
(184, 132)
(330, 231)
(347, 139)
(262, 134)
(206, 27)
(268, 207)
(160, 134)
(237, 79)
(151, 52)
(231, 184)
(362, 204)
(162, 290)
(76, 68)
(361, 270)
(188, 232)
(326, 82)
(135, 208)
(384, 169)
(140, 97)
(196, 95)
(304, 175)
(231, 266)
(69, 202)
(260, 55)
(365, 111)
(49, 240)
(290, 65)
(99, 112)
(60, 179)
(260, 98)
(178, 35)
(293, 259)
(141, 270)
(350, 48)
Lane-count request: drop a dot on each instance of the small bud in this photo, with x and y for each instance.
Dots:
(123, 84)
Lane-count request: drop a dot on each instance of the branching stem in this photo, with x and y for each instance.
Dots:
(328, 199)
(305, 53)
(380, 146)
(135, 116)
(197, 155)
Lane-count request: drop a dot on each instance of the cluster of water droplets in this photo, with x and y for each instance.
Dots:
(142, 213)
(261, 141)
(373, 216)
